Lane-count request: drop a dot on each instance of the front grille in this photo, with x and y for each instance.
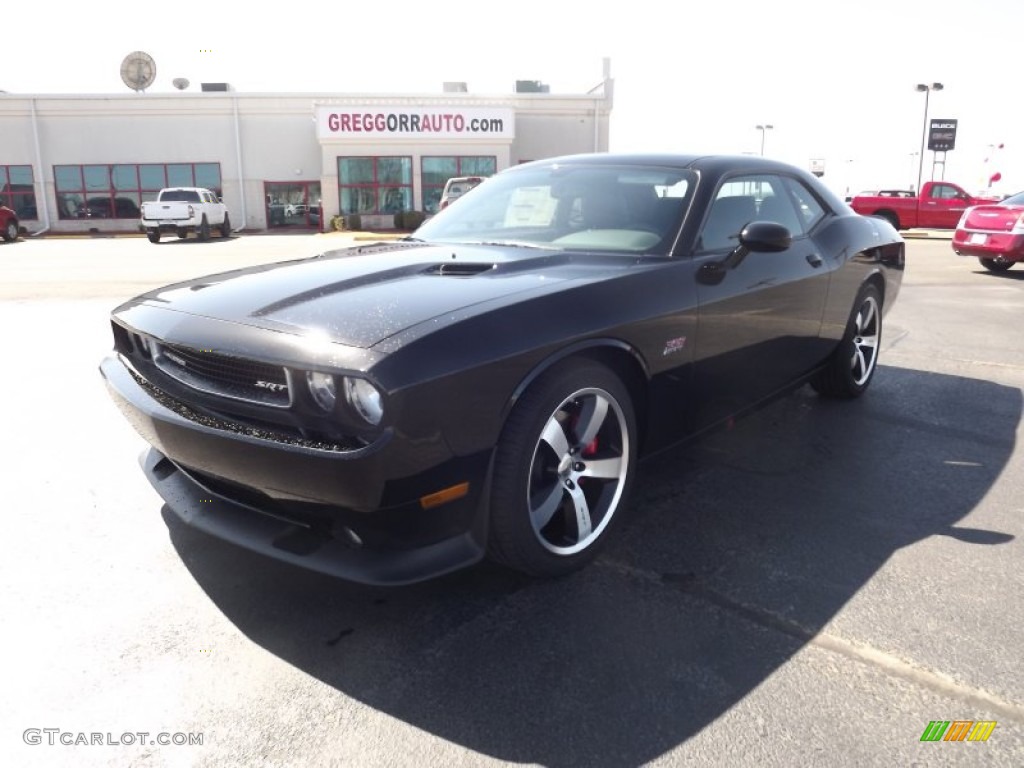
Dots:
(272, 433)
(218, 374)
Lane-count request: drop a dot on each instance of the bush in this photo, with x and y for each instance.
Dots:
(338, 223)
(409, 220)
(414, 219)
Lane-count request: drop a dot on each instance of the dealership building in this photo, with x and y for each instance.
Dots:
(85, 163)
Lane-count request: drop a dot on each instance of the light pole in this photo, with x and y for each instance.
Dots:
(924, 129)
(762, 129)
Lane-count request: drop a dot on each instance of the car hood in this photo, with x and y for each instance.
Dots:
(361, 296)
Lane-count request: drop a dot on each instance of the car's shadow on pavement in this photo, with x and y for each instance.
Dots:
(738, 550)
(192, 240)
(1010, 274)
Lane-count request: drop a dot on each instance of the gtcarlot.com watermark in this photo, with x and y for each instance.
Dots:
(55, 736)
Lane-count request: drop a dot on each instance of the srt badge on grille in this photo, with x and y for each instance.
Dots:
(271, 385)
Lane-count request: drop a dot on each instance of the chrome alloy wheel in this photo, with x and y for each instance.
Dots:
(578, 471)
(865, 340)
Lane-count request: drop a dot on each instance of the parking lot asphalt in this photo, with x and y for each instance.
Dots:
(810, 587)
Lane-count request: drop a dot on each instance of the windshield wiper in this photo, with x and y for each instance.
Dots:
(513, 244)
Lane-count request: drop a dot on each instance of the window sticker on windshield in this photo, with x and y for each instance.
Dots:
(531, 207)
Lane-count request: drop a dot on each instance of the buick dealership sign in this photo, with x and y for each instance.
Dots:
(381, 123)
(942, 135)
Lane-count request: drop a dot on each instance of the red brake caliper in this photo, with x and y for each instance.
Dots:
(591, 448)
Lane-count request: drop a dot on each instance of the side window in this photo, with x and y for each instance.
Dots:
(776, 204)
(808, 208)
(739, 201)
(944, 192)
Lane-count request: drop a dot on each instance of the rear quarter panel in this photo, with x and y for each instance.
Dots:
(864, 249)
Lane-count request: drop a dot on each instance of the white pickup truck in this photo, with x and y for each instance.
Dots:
(183, 210)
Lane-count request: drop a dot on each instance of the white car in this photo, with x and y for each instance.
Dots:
(183, 210)
(456, 187)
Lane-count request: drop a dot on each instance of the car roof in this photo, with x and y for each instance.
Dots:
(713, 163)
(713, 167)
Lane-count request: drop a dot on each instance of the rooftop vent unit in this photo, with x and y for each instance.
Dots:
(532, 86)
(216, 87)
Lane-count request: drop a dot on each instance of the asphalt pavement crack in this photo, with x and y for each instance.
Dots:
(691, 584)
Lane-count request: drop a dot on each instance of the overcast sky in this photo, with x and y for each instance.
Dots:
(835, 78)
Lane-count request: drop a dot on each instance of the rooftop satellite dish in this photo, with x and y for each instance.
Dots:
(138, 70)
(181, 83)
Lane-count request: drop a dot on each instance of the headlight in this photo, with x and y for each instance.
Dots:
(365, 399)
(321, 387)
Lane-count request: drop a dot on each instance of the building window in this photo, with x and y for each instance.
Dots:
(374, 184)
(118, 191)
(437, 170)
(17, 190)
(292, 203)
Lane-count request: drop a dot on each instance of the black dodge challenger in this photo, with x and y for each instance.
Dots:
(391, 412)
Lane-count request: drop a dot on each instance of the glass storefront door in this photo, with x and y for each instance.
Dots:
(292, 204)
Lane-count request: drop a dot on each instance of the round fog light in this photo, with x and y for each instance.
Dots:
(322, 388)
(365, 399)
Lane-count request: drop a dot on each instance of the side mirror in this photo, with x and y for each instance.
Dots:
(766, 237)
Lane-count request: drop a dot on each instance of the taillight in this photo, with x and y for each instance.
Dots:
(1018, 227)
(191, 212)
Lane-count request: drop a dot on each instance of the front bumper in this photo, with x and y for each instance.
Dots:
(345, 514)
(335, 553)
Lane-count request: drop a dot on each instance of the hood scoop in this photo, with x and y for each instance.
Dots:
(458, 269)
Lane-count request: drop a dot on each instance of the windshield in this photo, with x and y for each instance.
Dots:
(636, 209)
(1017, 199)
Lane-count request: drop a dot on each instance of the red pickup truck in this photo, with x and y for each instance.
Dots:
(940, 206)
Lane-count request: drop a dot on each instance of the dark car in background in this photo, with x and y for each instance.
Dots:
(391, 412)
(993, 233)
(9, 226)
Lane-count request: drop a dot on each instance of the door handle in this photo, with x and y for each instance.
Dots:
(814, 260)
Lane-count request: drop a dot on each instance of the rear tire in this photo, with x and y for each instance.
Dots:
(562, 471)
(998, 264)
(10, 232)
(853, 363)
(204, 230)
(225, 227)
(153, 235)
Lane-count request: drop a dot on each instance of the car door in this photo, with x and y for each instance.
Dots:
(759, 314)
(943, 207)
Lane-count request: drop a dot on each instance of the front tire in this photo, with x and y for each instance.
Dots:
(225, 227)
(10, 232)
(562, 471)
(998, 264)
(852, 365)
(153, 235)
(204, 230)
